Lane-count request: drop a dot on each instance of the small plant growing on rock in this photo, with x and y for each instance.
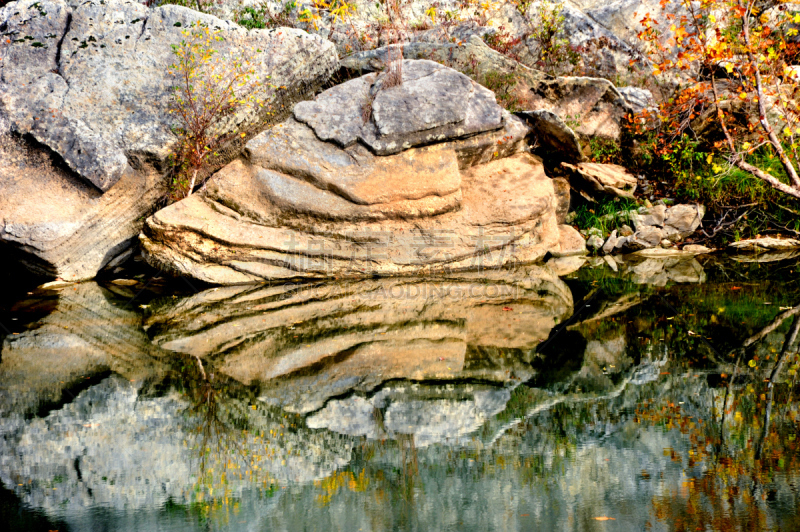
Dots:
(391, 76)
(548, 34)
(263, 17)
(208, 91)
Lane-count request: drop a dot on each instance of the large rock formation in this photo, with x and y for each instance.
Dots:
(305, 343)
(84, 92)
(415, 183)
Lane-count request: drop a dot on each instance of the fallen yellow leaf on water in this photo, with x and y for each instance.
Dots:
(604, 518)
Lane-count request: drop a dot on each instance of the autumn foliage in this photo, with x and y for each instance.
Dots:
(729, 69)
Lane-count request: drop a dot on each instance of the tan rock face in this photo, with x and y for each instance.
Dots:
(297, 206)
(355, 174)
(238, 232)
(304, 343)
(570, 243)
(85, 335)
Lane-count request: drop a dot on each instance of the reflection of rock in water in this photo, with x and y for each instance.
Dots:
(562, 355)
(429, 413)
(659, 271)
(111, 447)
(85, 335)
(307, 343)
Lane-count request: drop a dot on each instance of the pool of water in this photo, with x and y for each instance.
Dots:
(662, 396)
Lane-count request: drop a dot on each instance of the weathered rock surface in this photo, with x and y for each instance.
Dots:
(604, 179)
(470, 55)
(87, 84)
(594, 104)
(551, 133)
(432, 104)
(115, 447)
(563, 198)
(296, 206)
(570, 242)
(427, 412)
(306, 343)
(685, 219)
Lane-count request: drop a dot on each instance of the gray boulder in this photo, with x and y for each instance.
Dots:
(432, 104)
(87, 86)
(550, 132)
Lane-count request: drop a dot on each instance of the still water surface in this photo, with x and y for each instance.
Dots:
(661, 397)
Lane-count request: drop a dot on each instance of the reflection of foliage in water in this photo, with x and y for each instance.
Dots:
(228, 453)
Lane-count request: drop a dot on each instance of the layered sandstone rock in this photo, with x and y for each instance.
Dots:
(418, 184)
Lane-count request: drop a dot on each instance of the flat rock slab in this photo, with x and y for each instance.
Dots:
(765, 244)
(432, 104)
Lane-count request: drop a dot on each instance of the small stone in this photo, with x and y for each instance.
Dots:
(696, 248)
(653, 216)
(611, 243)
(684, 218)
(125, 282)
(646, 237)
(611, 262)
(54, 285)
(672, 234)
(625, 230)
(594, 242)
(594, 231)
(666, 243)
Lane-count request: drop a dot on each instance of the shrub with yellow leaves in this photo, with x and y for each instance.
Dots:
(208, 91)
